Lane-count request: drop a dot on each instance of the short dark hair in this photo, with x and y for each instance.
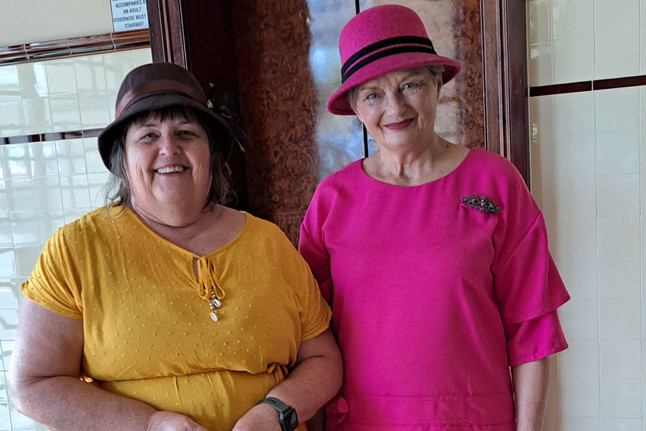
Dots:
(118, 188)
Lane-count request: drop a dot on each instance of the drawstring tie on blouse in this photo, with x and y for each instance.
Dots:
(209, 286)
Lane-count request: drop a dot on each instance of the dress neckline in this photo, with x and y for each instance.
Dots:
(458, 167)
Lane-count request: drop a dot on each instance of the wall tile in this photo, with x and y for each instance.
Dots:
(617, 109)
(6, 238)
(11, 120)
(117, 65)
(33, 80)
(22, 229)
(621, 399)
(142, 56)
(70, 155)
(48, 221)
(619, 424)
(580, 423)
(619, 319)
(618, 195)
(580, 361)
(620, 278)
(94, 111)
(618, 237)
(580, 397)
(37, 115)
(26, 258)
(8, 323)
(542, 153)
(5, 422)
(620, 359)
(48, 193)
(572, 19)
(617, 38)
(93, 161)
(580, 319)
(90, 75)
(7, 262)
(97, 185)
(9, 80)
(75, 192)
(617, 55)
(618, 152)
(573, 238)
(540, 64)
(573, 59)
(574, 114)
(538, 21)
(66, 113)
(580, 277)
(61, 77)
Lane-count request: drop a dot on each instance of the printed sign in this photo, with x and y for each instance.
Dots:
(129, 15)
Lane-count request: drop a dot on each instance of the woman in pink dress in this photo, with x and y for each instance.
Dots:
(433, 256)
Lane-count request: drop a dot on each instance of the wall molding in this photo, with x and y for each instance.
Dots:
(61, 48)
(50, 136)
(597, 84)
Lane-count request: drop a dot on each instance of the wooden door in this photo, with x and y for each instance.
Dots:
(277, 62)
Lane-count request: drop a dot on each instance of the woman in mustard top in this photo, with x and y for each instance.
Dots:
(167, 310)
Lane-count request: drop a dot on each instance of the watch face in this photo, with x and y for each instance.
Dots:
(290, 419)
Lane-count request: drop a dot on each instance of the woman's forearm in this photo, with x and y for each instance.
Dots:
(67, 403)
(530, 391)
(321, 371)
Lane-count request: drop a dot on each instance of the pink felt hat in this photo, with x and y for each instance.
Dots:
(378, 41)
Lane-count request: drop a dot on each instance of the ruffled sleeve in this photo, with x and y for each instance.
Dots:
(528, 286)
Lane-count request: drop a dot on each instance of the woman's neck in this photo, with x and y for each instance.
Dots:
(415, 167)
(200, 234)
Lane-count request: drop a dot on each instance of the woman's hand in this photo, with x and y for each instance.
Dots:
(170, 421)
(260, 417)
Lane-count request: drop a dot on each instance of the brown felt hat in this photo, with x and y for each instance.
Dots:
(155, 86)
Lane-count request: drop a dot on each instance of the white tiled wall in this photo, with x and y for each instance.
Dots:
(588, 164)
(46, 184)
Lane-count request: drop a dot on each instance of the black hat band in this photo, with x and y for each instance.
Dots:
(407, 44)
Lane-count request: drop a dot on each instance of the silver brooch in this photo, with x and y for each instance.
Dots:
(480, 203)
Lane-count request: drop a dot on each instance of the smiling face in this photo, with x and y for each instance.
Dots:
(167, 162)
(398, 109)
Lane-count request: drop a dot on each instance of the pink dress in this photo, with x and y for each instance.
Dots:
(433, 298)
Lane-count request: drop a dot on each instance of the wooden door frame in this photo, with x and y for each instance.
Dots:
(504, 64)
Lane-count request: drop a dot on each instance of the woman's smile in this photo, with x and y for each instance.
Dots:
(399, 125)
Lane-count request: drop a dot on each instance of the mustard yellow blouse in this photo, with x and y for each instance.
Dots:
(146, 318)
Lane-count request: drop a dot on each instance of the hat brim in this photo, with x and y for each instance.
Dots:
(218, 126)
(338, 104)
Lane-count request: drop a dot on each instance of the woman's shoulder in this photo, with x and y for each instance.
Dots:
(489, 166)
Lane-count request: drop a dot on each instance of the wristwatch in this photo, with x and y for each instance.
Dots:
(286, 413)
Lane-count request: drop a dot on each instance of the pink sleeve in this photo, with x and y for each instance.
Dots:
(534, 339)
(528, 286)
(527, 282)
(311, 246)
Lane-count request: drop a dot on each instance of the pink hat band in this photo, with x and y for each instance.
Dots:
(384, 48)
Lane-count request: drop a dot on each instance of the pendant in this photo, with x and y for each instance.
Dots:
(214, 316)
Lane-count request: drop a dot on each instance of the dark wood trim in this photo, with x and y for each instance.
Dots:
(572, 87)
(60, 48)
(598, 84)
(50, 136)
(628, 81)
(505, 80)
(167, 36)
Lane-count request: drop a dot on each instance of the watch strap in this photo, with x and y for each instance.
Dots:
(286, 413)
